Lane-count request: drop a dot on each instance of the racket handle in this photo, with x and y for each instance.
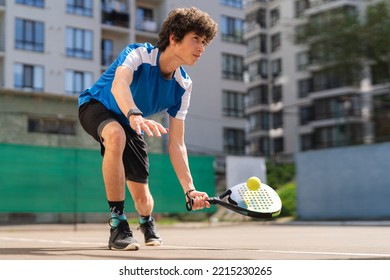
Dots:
(213, 200)
(190, 202)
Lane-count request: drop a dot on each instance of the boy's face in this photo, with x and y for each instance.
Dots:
(190, 48)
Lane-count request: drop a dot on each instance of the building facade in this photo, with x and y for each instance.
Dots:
(293, 103)
(53, 50)
(256, 91)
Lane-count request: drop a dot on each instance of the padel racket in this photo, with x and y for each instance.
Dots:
(262, 203)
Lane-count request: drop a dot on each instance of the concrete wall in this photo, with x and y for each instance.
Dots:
(16, 107)
(349, 183)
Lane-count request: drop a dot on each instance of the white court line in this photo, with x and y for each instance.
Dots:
(206, 248)
(285, 252)
(324, 253)
(51, 241)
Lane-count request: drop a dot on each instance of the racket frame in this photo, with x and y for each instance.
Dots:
(230, 204)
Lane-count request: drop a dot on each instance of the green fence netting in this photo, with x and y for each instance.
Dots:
(54, 179)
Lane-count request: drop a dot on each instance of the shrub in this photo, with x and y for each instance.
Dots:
(287, 194)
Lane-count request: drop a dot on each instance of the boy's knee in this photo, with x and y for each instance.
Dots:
(113, 135)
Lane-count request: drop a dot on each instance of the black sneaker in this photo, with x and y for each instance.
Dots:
(152, 237)
(121, 237)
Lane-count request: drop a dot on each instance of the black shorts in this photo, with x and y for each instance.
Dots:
(94, 116)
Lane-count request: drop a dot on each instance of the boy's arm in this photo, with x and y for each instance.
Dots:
(121, 91)
(179, 158)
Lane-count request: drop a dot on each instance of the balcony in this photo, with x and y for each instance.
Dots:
(115, 13)
(254, 4)
(147, 25)
(319, 6)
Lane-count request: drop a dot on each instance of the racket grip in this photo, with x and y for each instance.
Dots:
(190, 202)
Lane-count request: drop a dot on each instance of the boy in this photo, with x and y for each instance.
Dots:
(142, 81)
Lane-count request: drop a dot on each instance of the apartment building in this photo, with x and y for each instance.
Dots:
(52, 50)
(271, 76)
(293, 104)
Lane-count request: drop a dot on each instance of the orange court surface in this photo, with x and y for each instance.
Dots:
(204, 241)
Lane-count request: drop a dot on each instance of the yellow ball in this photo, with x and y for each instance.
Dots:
(253, 183)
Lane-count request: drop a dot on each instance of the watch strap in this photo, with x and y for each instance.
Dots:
(134, 111)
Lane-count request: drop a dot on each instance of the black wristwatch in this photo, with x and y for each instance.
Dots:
(134, 111)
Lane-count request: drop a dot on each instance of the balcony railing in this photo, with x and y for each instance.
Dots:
(148, 25)
(115, 18)
(115, 13)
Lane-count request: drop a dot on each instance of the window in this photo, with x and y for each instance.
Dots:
(253, 45)
(258, 70)
(300, 31)
(28, 77)
(257, 95)
(276, 67)
(232, 67)
(259, 121)
(254, 122)
(278, 145)
(107, 52)
(52, 125)
(328, 79)
(255, 20)
(79, 43)
(256, 44)
(302, 61)
(232, 29)
(262, 18)
(325, 137)
(234, 141)
(307, 142)
(35, 3)
(263, 64)
(305, 114)
(328, 108)
(275, 17)
(305, 86)
(263, 43)
(29, 35)
(232, 3)
(275, 42)
(277, 93)
(300, 7)
(115, 12)
(145, 20)
(233, 104)
(277, 120)
(76, 81)
(80, 7)
(260, 146)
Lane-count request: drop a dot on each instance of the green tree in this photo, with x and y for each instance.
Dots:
(375, 32)
(279, 173)
(341, 39)
(331, 38)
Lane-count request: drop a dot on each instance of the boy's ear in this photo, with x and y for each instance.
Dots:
(172, 40)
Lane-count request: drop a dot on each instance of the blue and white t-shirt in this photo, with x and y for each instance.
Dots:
(152, 93)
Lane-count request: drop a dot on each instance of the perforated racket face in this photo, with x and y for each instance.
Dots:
(263, 200)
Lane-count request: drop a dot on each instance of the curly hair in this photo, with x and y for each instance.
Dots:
(184, 20)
